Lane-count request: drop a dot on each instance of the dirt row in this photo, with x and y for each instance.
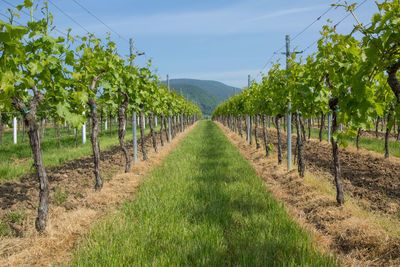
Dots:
(381, 135)
(74, 204)
(367, 175)
(371, 134)
(338, 230)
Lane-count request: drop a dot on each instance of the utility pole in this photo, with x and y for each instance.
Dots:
(134, 121)
(288, 54)
(169, 115)
(248, 117)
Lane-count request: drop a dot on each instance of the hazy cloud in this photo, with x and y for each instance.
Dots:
(230, 20)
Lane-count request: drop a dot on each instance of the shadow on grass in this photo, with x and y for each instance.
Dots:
(256, 229)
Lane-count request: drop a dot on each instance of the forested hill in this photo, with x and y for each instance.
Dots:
(206, 94)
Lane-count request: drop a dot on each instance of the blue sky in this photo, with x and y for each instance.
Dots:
(209, 39)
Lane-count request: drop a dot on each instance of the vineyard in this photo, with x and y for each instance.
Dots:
(355, 85)
(103, 164)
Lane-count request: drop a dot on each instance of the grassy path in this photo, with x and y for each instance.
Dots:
(204, 206)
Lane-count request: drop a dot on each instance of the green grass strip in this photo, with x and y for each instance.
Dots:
(204, 206)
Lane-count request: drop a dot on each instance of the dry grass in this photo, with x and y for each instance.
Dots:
(66, 227)
(358, 237)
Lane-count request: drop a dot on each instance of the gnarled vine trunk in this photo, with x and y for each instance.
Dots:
(28, 115)
(265, 136)
(161, 129)
(251, 124)
(141, 122)
(166, 129)
(398, 133)
(122, 130)
(246, 121)
(152, 133)
(377, 127)
(387, 133)
(394, 84)
(94, 137)
(301, 140)
(255, 131)
(175, 126)
(333, 104)
(240, 125)
(278, 131)
(321, 130)
(358, 138)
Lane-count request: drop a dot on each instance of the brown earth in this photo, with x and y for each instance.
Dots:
(339, 230)
(381, 134)
(367, 175)
(74, 205)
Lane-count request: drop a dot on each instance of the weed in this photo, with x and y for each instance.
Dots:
(85, 183)
(5, 229)
(16, 216)
(60, 196)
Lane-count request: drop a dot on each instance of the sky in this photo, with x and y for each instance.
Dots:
(209, 39)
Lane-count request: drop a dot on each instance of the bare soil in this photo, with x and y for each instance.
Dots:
(367, 175)
(338, 229)
(74, 205)
(381, 134)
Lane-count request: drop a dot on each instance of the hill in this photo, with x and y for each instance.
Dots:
(206, 94)
(205, 101)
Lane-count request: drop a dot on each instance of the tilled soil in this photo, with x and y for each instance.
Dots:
(366, 175)
(355, 240)
(71, 194)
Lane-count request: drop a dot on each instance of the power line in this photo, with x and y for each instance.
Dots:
(266, 63)
(98, 19)
(337, 24)
(297, 35)
(75, 21)
(102, 22)
(310, 45)
(312, 23)
(71, 18)
(345, 17)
